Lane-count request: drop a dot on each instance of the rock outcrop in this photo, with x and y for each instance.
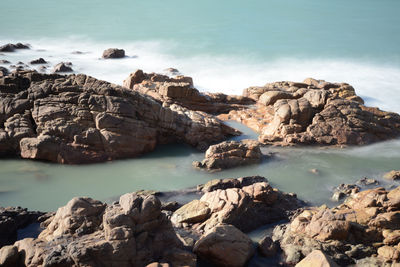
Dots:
(317, 259)
(230, 154)
(366, 224)
(79, 119)
(114, 53)
(14, 218)
(63, 67)
(86, 232)
(38, 61)
(314, 112)
(234, 201)
(225, 245)
(180, 90)
(392, 175)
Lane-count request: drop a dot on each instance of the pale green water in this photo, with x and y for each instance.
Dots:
(46, 186)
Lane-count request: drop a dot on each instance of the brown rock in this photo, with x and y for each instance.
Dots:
(62, 67)
(392, 175)
(114, 53)
(225, 245)
(267, 247)
(317, 258)
(193, 212)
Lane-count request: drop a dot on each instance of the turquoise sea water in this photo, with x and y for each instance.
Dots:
(225, 46)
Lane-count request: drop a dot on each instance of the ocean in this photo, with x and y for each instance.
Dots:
(225, 46)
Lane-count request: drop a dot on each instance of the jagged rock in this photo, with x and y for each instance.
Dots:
(3, 71)
(367, 223)
(13, 47)
(38, 61)
(367, 182)
(86, 232)
(225, 245)
(234, 204)
(392, 175)
(114, 53)
(230, 183)
(180, 90)
(13, 219)
(230, 154)
(62, 67)
(314, 112)
(78, 119)
(317, 258)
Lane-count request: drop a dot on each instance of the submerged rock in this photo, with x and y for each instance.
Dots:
(86, 232)
(345, 190)
(79, 119)
(13, 47)
(62, 67)
(114, 53)
(38, 61)
(230, 154)
(225, 245)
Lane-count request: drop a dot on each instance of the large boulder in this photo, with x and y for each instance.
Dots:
(86, 232)
(13, 47)
(230, 154)
(79, 119)
(225, 245)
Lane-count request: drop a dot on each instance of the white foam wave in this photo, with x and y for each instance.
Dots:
(375, 82)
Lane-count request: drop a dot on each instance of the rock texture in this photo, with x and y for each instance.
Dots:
(38, 61)
(14, 218)
(225, 245)
(317, 258)
(180, 90)
(114, 53)
(230, 154)
(366, 224)
(392, 175)
(79, 119)
(234, 201)
(314, 112)
(63, 67)
(86, 232)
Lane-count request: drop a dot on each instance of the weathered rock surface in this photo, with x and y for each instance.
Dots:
(86, 232)
(3, 71)
(267, 247)
(366, 224)
(180, 90)
(63, 67)
(344, 190)
(230, 154)
(38, 61)
(392, 175)
(13, 219)
(114, 53)
(314, 112)
(225, 245)
(79, 119)
(13, 47)
(234, 201)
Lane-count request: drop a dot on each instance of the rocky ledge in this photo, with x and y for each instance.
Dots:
(79, 119)
(364, 230)
(230, 154)
(314, 112)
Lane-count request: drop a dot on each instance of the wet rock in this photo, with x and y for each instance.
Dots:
(38, 61)
(62, 67)
(317, 258)
(267, 247)
(392, 175)
(114, 53)
(367, 182)
(87, 232)
(3, 61)
(230, 154)
(172, 71)
(234, 204)
(344, 190)
(78, 119)
(13, 47)
(14, 218)
(230, 183)
(180, 90)
(225, 245)
(3, 72)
